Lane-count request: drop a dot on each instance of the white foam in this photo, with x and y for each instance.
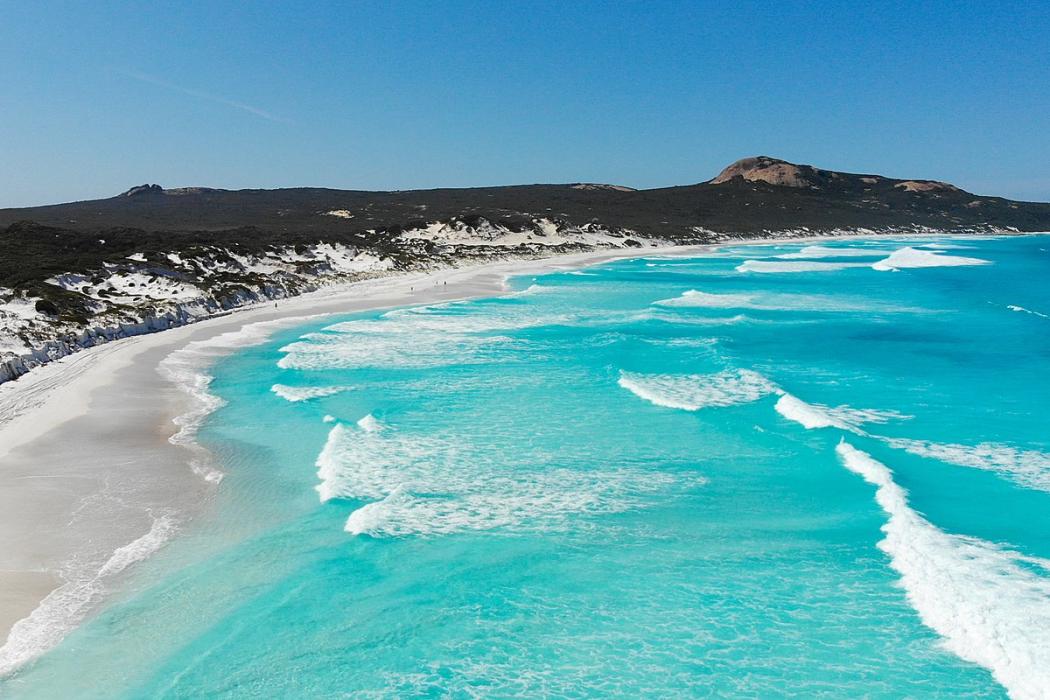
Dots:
(434, 485)
(533, 289)
(418, 337)
(945, 246)
(369, 424)
(296, 394)
(818, 251)
(1028, 468)
(812, 416)
(328, 419)
(991, 605)
(764, 301)
(65, 607)
(691, 392)
(1021, 309)
(707, 343)
(771, 266)
(913, 257)
(374, 517)
(697, 299)
(186, 369)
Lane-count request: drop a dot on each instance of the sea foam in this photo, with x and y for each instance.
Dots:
(433, 485)
(991, 605)
(691, 392)
(913, 257)
(771, 266)
(296, 394)
(818, 251)
(778, 302)
(1028, 468)
(414, 338)
(1021, 309)
(812, 416)
(186, 369)
(66, 606)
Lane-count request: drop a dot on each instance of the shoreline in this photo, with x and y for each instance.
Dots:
(101, 443)
(106, 436)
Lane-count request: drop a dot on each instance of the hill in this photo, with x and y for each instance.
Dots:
(79, 273)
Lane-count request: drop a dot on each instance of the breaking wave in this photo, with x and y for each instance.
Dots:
(436, 486)
(1021, 309)
(770, 266)
(913, 257)
(691, 392)
(777, 302)
(186, 369)
(369, 424)
(817, 251)
(1029, 468)
(66, 606)
(812, 416)
(706, 300)
(991, 605)
(413, 338)
(296, 394)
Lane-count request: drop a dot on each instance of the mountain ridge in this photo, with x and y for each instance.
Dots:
(75, 274)
(755, 194)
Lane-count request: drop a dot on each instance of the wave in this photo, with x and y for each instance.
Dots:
(296, 394)
(1028, 468)
(431, 486)
(706, 300)
(913, 257)
(1021, 309)
(691, 392)
(414, 338)
(369, 424)
(707, 343)
(533, 289)
(185, 368)
(991, 605)
(771, 266)
(66, 606)
(376, 516)
(818, 251)
(812, 416)
(945, 246)
(778, 302)
(679, 319)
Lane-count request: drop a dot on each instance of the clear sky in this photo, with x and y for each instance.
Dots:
(98, 96)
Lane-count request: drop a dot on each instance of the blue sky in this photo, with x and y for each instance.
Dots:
(96, 97)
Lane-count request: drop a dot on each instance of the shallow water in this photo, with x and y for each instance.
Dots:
(777, 470)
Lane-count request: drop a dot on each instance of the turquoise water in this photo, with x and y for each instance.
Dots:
(813, 473)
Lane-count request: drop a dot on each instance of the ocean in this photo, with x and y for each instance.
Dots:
(775, 470)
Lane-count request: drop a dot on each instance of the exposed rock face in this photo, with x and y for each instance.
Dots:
(769, 170)
(597, 186)
(143, 189)
(926, 186)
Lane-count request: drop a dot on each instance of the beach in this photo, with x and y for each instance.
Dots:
(376, 486)
(87, 461)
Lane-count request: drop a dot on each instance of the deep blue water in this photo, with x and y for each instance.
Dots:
(660, 477)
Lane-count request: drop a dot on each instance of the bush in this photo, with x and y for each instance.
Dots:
(46, 307)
